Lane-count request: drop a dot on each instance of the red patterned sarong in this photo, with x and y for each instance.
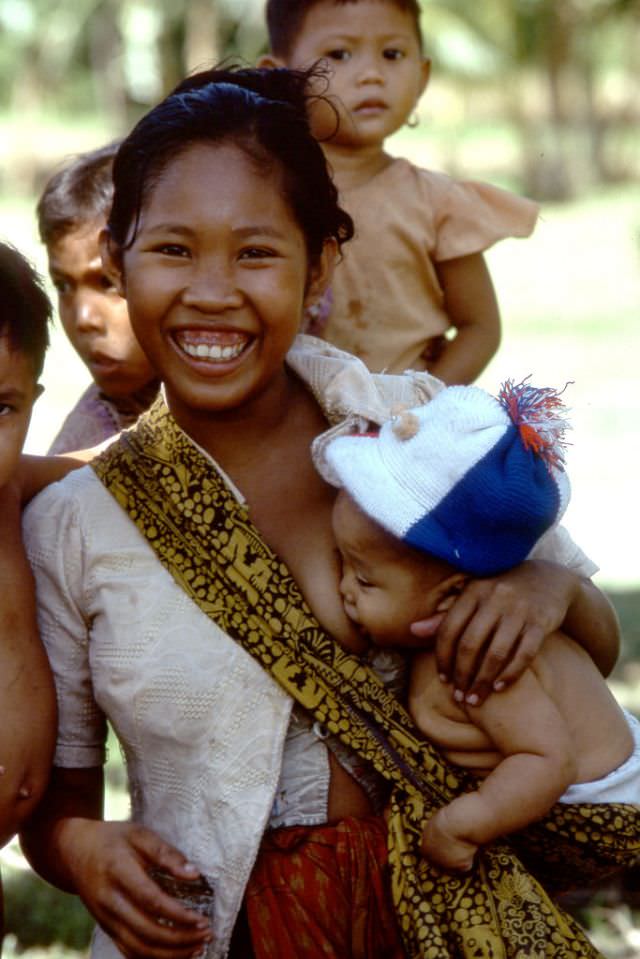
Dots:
(323, 892)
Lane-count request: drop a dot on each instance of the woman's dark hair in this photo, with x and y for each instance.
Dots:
(77, 194)
(263, 113)
(25, 309)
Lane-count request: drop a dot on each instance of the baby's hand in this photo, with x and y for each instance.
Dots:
(441, 846)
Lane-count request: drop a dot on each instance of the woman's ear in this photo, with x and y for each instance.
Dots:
(321, 272)
(112, 261)
(426, 73)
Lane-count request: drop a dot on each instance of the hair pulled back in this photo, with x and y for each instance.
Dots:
(262, 112)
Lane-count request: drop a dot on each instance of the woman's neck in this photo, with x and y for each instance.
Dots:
(239, 437)
(351, 168)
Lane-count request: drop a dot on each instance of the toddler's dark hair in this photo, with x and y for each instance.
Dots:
(76, 195)
(285, 19)
(25, 309)
(264, 114)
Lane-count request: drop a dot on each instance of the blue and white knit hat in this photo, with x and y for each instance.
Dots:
(469, 478)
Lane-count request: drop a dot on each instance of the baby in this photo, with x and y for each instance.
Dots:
(465, 487)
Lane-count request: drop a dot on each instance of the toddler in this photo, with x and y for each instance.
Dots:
(72, 212)
(414, 273)
(465, 487)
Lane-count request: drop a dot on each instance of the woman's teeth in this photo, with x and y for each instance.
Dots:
(213, 351)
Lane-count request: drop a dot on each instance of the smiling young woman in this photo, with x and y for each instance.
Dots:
(193, 563)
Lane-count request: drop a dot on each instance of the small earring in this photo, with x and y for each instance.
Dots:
(413, 120)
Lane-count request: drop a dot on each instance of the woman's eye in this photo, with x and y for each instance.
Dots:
(5, 409)
(361, 581)
(256, 253)
(171, 249)
(339, 55)
(393, 54)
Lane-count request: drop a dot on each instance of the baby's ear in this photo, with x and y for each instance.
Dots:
(448, 591)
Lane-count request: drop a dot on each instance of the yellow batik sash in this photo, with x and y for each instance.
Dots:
(206, 540)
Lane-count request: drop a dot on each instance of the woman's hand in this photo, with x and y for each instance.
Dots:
(109, 865)
(496, 626)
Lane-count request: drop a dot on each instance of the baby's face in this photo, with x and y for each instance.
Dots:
(18, 392)
(385, 585)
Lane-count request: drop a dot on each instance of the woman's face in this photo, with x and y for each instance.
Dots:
(216, 280)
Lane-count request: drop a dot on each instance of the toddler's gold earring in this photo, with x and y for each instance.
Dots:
(413, 120)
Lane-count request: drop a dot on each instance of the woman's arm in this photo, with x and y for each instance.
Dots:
(496, 626)
(27, 732)
(471, 305)
(107, 865)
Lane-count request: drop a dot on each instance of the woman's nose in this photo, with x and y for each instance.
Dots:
(212, 288)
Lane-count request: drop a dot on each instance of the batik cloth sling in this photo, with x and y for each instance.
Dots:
(206, 540)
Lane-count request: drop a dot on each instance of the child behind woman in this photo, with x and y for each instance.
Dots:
(415, 270)
(72, 211)
(465, 487)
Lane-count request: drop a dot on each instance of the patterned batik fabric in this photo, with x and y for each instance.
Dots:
(206, 540)
(323, 891)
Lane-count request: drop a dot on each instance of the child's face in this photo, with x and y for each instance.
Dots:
(377, 68)
(18, 392)
(94, 315)
(385, 585)
(216, 280)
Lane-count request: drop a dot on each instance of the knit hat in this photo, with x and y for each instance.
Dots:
(467, 477)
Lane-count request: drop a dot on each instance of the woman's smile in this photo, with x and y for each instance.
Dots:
(216, 278)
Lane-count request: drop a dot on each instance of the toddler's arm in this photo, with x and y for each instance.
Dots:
(471, 305)
(529, 731)
(27, 696)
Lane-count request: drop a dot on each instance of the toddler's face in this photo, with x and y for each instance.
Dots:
(385, 584)
(95, 316)
(377, 68)
(18, 392)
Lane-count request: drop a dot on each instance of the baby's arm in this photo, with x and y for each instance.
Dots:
(471, 305)
(538, 764)
(27, 697)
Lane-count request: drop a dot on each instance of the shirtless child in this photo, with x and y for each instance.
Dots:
(465, 487)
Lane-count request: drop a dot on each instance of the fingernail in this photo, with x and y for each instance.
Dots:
(498, 685)
(458, 695)
(473, 699)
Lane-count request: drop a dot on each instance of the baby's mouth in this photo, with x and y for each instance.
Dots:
(217, 347)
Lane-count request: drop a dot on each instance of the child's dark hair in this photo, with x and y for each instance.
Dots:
(285, 19)
(76, 195)
(263, 113)
(25, 309)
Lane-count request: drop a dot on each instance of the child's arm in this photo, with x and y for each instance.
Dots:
(471, 305)
(36, 472)
(27, 697)
(531, 734)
